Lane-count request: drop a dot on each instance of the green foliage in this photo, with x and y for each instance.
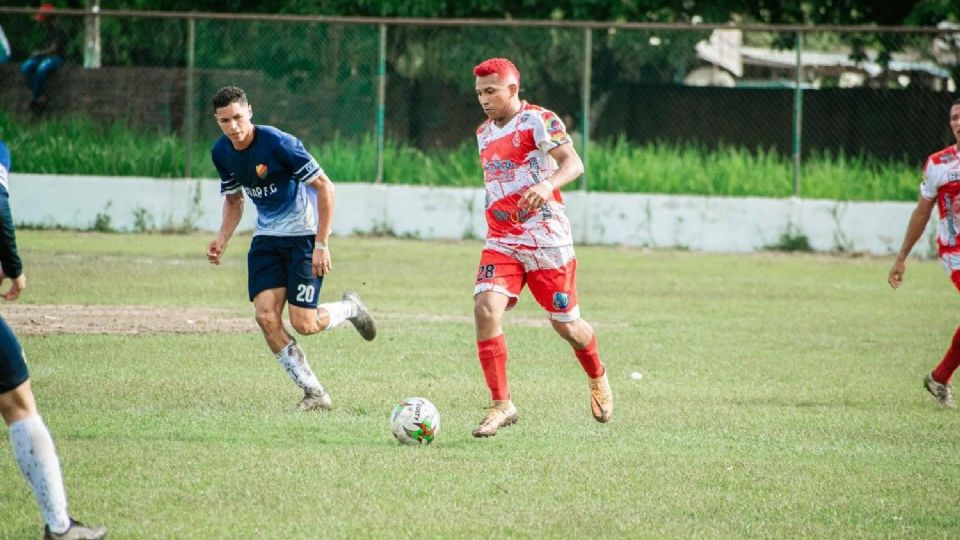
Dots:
(791, 241)
(77, 146)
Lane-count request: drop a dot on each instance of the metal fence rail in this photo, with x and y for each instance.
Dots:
(794, 90)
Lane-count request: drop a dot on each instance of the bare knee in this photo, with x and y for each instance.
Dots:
(487, 318)
(268, 320)
(305, 325)
(578, 333)
(18, 403)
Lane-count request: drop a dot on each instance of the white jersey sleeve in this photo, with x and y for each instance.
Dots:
(931, 181)
(549, 131)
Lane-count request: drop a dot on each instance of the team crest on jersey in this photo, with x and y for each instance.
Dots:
(555, 128)
(561, 300)
(261, 171)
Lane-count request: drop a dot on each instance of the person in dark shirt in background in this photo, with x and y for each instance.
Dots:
(41, 63)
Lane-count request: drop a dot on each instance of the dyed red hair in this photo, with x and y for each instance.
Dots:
(500, 66)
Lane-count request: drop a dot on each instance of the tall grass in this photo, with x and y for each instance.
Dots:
(80, 146)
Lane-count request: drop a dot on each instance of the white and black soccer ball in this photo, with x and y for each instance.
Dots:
(415, 421)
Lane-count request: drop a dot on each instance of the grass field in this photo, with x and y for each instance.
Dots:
(781, 398)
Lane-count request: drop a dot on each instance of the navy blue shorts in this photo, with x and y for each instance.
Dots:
(284, 261)
(13, 368)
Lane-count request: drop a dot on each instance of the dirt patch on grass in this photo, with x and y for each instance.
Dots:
(49, 319)
(44, 319)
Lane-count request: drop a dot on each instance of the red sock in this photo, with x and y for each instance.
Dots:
(950, 361)
(589, 359)
(493, 360)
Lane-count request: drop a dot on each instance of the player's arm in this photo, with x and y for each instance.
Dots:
(326, 202)
(9, 255)
(918, 222)
(569, 165)
(569, 168)
(232, 214)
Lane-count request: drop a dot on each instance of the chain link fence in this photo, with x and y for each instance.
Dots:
(393, 100)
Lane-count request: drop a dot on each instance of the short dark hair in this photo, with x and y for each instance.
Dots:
(227, 95)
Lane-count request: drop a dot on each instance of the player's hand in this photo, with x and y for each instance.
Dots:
(17, 285)
(322, 262)
(895, 277)
(536, 196)
(215, 250)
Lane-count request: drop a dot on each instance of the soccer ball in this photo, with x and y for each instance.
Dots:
(415, 421)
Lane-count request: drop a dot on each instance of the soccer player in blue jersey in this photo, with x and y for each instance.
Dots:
(32, 445)
(289, 255)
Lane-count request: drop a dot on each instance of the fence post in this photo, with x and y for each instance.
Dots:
(381, 99)
(188, 116)
(585, 106)
(91, 40)
(797, 117)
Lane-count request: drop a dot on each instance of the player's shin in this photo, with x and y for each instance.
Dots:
(493, 360)
(34, 452)
(951, 360)
(294, 362)
(590, 359)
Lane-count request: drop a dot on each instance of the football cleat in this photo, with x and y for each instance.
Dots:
(315, 399)
(601, 398)
(77, 531)
(363, 320)
(942, 392)
(500, 413)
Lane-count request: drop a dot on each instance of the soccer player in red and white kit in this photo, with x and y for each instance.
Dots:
(941, 187)
(527, 157)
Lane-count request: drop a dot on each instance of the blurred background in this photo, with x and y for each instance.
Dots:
(664, 97)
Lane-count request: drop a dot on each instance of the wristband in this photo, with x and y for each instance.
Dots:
(319, 246)
(549, 183)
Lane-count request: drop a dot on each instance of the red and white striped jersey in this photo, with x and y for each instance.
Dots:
(941, 182)
(514, 158)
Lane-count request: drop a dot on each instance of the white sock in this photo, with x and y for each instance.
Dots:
(35, 454)
(294, 361)
(339, 312)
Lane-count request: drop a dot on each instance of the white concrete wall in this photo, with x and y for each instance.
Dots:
(660, 221)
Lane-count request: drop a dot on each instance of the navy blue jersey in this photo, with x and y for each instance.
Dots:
(9, 256)
(272, 172)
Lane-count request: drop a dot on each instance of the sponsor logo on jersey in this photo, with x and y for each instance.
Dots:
(515, 216)
(561, 300)
(261, 171)
(260, 192)
(953, 177)
(499, 165)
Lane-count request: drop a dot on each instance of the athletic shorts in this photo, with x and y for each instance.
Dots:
(13, 368)
(284, 261)
(551, 274)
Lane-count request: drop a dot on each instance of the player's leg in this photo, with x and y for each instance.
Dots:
(291, 357)
(267, 279)
(32, 445)
(303, 293)
(554, 285)
(499, 281)
(938, 381)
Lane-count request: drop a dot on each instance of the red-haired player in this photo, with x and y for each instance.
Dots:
(941, 186)
(527, 157)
